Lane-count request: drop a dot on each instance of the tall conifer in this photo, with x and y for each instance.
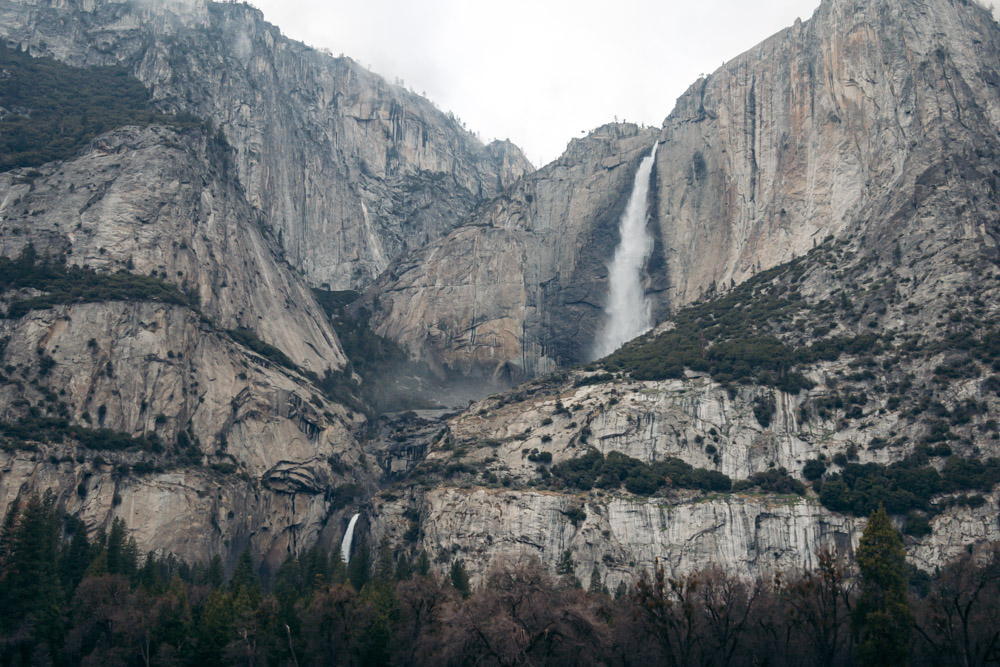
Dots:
(881, 619)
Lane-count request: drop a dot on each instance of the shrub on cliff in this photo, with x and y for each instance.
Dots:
(615, 470)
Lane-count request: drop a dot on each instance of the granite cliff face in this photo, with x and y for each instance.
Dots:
(153, 201)
(824, 126)
(481, 489)
(347, 169)
(247, 456)
(313, 165)
(515, 291)
(855, 157)
(242, 450)
(625, 537)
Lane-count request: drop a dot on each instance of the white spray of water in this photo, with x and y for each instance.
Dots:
(628, 309)
(345, 546)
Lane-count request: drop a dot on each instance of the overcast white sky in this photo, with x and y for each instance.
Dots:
(539, 71)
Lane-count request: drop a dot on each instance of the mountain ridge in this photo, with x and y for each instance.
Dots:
(326, 150)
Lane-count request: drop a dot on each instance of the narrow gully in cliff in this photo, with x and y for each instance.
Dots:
(628, 310)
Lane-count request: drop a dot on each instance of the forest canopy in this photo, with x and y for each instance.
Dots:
(69, 597)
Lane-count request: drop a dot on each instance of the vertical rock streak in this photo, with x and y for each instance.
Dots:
(628, 309)
(345, 546)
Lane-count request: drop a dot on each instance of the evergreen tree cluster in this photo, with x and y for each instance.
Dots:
(905, 485)
(902, 487)
(64, 284)
(50, 110)
(735, 337)
(615, 470)
(69, 599)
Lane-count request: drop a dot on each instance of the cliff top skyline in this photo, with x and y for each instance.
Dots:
(539, 74)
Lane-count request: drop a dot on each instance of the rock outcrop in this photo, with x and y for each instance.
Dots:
(862, 143)
(235, 445)
(829, 125)
(347, 169)
(489, 496)
(165, 203)
(236, 451)
(625, 538)
(518, 289)
(823, 125)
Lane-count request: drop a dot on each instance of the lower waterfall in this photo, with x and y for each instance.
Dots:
(345, 546)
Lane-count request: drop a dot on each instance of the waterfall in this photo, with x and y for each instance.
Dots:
(345, 546)
(628, 310)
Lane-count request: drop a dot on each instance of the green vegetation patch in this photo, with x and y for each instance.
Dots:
(772, 481)
(384, 366)
(734, 337)
(66, 284)
(56, 430)
(369, 353)
(344, 495)
(904, 486)
(70, 284)
(52, 109)
(593, 469)
(249, 339)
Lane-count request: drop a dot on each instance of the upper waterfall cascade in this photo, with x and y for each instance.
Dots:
(628, 311)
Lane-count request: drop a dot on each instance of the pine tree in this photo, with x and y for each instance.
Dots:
(214, 574)
(31, 595)
(75, 558)
(338, 569)
(315, 568)
(287, 590)
(215, 627)
(359, 569)
(460, 578)
(148, 576)
(130, 558)
(122, 552)
(245, 581)
(98, 563)
(288, 580)
(595, 580)
(176, 624)
(116, 547)
(380, 596)
(384, 565)
(423, 564)
(567, 570)
(7, 532)
(404, 568)
(881, 620)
